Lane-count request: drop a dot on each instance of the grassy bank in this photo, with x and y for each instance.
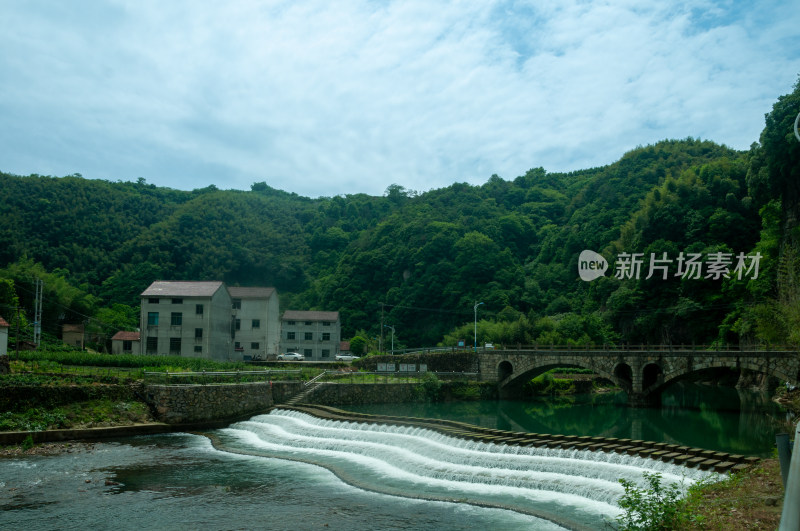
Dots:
(77, 415)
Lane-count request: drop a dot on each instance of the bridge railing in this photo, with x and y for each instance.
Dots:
(606, 348)
(391, 377)
(649, 348)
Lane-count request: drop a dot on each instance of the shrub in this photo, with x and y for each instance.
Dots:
(655, 507)
(430, 387)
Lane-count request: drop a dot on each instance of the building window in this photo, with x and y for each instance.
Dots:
(152, 318)
(177, 301)
(326, 336)
(198, 348)
(256, 323)
(198, 333)
(238, 346)
(238, 324)
(254, 346)
(326, 353)
(307, 353)
(289, 335)
(198, 309)
(290, 323)
(174, 345)
(309, 336)
(152, 300)
(152, 345)
(176, 319)
(309, 323)
(237, 304)
(325, 323)
(127, 345)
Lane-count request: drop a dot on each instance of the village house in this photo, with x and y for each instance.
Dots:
(73, 335)
(125, 343)
(187, 318)
(207, 319)
(256, 322)
(314, 334)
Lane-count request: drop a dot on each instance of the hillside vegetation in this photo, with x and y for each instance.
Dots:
(420, 261)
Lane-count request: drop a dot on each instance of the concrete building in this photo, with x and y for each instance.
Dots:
(126, 343)
(187, 318)
(314, 334)
(256, 322)
(3, 337)
(73, 335)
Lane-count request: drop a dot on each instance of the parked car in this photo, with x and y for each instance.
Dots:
(346, 357)
(296, 356)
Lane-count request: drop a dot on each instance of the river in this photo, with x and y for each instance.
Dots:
(290, 471)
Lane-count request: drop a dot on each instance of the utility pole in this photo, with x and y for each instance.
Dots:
(17, 341)
(37, 313)
(380, 345)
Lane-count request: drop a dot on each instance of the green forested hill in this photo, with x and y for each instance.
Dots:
(422, 260)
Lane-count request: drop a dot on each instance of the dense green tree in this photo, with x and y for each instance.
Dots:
(421, 260)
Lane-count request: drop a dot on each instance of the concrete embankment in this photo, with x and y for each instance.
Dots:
(681, 455)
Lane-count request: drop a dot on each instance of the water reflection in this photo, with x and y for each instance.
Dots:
(717, 418)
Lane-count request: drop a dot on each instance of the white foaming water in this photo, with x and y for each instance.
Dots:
(578, 488)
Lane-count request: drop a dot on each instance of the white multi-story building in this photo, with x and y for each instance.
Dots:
(314, 334)
(256, 322)
(187, 318)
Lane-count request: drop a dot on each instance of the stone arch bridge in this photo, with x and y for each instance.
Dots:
(642, 372)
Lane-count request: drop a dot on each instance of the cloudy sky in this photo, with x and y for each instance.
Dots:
(325, 97)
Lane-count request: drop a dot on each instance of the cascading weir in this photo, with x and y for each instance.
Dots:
(570, 481)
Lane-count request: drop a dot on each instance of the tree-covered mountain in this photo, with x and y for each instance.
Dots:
(421, 261)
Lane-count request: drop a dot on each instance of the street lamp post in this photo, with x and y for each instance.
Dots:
(475, 309)
(388, 326)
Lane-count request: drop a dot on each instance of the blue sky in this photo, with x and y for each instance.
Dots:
(324, 98)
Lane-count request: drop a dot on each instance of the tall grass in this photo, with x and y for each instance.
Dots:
(150, 363)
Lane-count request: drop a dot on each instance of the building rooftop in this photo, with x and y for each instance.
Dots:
(239, 292)
(72, 328)
(182, 288)
(3, 323)
(123, 335)
(294, 315)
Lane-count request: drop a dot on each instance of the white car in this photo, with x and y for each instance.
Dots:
(346, 357)
(296, 356)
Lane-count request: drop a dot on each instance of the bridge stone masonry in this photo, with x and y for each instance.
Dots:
(642, 372)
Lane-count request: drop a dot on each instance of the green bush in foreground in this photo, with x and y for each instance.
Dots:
(76, 415)
(658, 506)
(35, 419)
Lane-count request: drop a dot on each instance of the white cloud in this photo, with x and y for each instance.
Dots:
(324, 98)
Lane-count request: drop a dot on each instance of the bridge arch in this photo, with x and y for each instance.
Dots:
(642, 373)
(652, 374)
(623, 375)
(504, 370)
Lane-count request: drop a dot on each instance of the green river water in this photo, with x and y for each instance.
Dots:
(711, 417)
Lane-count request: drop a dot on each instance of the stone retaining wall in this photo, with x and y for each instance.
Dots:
(203, 403)
(358, 394)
